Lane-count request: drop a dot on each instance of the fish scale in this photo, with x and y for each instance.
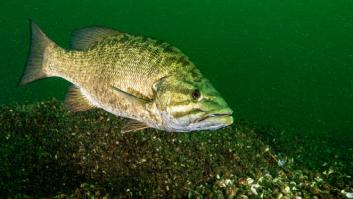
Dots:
(141, 70)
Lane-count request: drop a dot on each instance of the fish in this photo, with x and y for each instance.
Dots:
(148, 81)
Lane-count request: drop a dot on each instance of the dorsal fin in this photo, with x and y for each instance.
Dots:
(83, 38)
(75, 101)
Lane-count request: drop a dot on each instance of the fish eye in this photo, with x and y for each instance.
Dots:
(196, 94)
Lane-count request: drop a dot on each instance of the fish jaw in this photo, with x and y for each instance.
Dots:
(214, 121)
(210, 121)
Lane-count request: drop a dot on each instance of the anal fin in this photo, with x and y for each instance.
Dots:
(133, 125)
(75, 101)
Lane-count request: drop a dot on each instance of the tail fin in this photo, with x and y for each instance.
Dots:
(38, 51)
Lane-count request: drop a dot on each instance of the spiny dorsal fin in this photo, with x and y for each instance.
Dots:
(83, 38)
(133, 125)
(75, 101)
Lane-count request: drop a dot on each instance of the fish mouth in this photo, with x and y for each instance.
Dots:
(220, 114)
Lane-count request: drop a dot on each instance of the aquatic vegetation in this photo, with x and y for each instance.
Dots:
(46, 151)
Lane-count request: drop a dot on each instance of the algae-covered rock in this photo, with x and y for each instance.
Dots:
(46, 151)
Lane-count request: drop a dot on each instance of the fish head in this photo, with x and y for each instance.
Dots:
(190, 105)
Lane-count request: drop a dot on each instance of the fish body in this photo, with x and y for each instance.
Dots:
(149, 81)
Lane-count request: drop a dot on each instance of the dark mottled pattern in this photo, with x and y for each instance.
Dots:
(132, 65)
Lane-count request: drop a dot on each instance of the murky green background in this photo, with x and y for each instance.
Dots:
(286, 63)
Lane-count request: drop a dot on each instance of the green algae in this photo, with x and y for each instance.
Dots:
(49, 152)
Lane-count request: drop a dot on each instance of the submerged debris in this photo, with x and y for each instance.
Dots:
(46, 151)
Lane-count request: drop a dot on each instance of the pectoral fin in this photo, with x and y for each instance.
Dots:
(131, 96)
(136, 102)
(133, 125)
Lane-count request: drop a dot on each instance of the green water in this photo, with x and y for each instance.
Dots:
(285, 63)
